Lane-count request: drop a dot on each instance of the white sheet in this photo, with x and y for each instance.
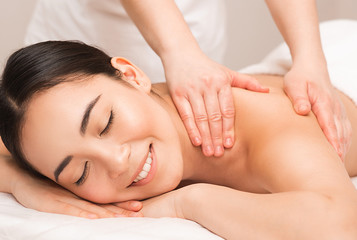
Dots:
(17, 222)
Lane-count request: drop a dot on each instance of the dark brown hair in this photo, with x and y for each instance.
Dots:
(39, 67)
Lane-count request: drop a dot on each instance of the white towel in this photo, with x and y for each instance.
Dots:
(339, 41)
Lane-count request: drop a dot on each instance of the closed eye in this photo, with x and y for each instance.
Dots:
(109, 124)
(84, 176)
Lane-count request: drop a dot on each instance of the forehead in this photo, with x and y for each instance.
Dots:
(66, 101)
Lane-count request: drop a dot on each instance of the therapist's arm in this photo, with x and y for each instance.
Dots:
(200, 87)
(307, 83)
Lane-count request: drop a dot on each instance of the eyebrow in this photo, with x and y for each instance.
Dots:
(61, 166)
(86, 115)
(82, 131)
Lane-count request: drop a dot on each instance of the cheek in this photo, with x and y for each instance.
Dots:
(140, 118)
(96, 192)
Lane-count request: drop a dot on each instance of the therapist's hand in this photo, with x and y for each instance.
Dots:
(201, 91)
(309, 88)
(46, 196)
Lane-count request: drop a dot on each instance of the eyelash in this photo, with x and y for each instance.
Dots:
(84, 175)
(109, 124)
(86, 168)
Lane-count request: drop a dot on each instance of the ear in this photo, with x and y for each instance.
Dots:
(132, 74)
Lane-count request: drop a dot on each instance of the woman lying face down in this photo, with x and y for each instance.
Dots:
(96, 126)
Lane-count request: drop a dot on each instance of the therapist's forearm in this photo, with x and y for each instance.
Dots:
(298, 22)
(162, 25)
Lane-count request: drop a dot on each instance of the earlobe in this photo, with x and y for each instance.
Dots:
(132, 74)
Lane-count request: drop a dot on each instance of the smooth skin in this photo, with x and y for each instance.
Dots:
(201, 88)
(276, 151)
(43, 195)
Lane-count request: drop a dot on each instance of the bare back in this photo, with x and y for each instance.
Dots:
(282, 147)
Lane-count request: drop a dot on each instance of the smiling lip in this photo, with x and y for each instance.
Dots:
(151, 172)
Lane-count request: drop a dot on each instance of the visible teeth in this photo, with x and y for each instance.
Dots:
(146, 169)
(143, 174)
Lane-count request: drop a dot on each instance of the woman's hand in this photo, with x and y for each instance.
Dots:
(165, 205)
(47, 196)
(201, 91)
(309, 88)
(170, 204)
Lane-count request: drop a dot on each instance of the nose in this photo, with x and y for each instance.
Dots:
(116, 159)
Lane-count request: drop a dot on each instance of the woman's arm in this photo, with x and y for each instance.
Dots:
(200, 87)
(307, 83)
(313, 197)
(234, 214)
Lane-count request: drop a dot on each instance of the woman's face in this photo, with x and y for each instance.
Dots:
(103, 140)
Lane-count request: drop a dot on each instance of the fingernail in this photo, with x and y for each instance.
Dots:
(197, 141)
(303, 108)
(134, 214)
(209, 150)
(92, 216)
(219, 150)
(229, 142)
(134, 204)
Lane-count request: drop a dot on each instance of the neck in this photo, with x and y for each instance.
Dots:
(193, 158)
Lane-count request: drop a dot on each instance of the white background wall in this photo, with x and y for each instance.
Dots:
(252, 33)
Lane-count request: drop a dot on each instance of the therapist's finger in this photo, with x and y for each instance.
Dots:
(298, 94)
(201, 120)
(340, 134)
(248, 82)
(228, 112)
(215, 121)
(185, 111)
(347, 136)
(343, 126)
(327, 123)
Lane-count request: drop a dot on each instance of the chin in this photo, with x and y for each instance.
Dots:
(170, 181)
(165, 186)
(168, 163)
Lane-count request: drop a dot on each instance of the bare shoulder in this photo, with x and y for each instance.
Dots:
(267, 113)
(286, 151)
